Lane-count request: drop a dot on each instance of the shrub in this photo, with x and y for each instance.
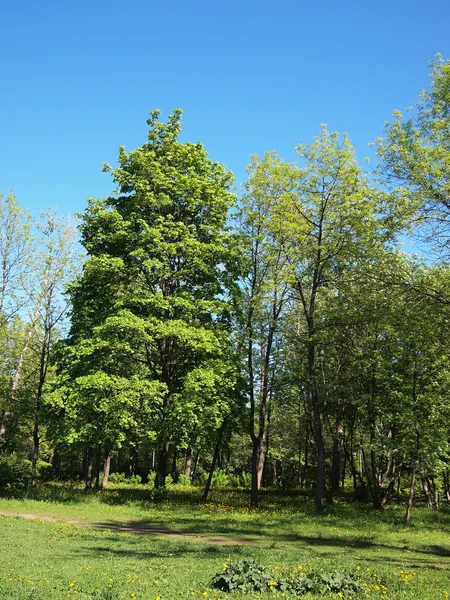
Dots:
(219, 479)
(184, 479)
(248, 576)
(243, 575)
(243, 480)
(15, 472)
(44, 470)
(122, 478)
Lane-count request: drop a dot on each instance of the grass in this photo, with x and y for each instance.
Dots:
(43, 560)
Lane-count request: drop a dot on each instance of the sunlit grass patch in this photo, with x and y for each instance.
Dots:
(53, 560)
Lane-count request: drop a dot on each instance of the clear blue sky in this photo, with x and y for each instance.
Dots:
(79, 78)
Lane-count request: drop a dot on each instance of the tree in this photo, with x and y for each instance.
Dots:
(152, 310)
(416, 154)
(331, 219)
(266, 294)
(16, 251)
(55, 265)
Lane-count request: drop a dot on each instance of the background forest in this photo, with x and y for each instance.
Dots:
(276, 337)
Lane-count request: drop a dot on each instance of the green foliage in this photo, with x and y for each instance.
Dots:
(122, 478)
(321, 583)
(248, 576)
(415, 155)
(184, 479)
(149, 354)
(284, 534)
(15, 471)
(243, 576)
(220, 479)
(243, 480)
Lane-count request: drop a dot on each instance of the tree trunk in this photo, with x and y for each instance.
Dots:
(213, 464)
(5, 417)
(188, 462)
(56, 463)
(174, 471)
(447, 486)
(15, 385)
(161, 465)
(411, 495)
(335, 477)
(89, 461)
(258, 456)
(132, 465)
(97, 467)
(197, 457)
(34, 478)
(426, 491)
(106, 466)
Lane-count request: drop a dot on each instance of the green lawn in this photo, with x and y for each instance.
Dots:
(54, 560)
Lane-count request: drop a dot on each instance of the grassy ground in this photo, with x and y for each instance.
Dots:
(45, 560)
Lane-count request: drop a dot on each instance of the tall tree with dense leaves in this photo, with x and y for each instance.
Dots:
(153, 308)
(331, 218)
(415, 153)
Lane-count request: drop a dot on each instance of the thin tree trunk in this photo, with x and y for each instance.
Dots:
(14, 386)
(89, 461)
(34, 478)
(188, 462)
(197, 458)
(336, 461)
(132, 465)
(174, 471)
(447, 486)
(106, 466)
(97, 466)
(213, 464)
(411, 494)
(258, 457)
(161, 465)
(426, 491)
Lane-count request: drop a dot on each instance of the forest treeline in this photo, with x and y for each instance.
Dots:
(279, 335)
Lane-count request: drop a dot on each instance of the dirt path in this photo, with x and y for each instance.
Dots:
(135, 527)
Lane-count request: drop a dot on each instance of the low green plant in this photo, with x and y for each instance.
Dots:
(243, 576)
(220, 479)
(320, 583)
(243, 480)
(122, 478)
(15, 472)
(184, 479)
(249, 576)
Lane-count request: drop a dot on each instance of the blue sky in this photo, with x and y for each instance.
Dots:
(78, 80)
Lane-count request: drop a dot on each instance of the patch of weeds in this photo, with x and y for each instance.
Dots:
(243, 575)
(248, 576)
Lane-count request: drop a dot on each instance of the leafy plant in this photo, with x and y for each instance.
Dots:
(248, 576)
(243, 575)
(122, 478)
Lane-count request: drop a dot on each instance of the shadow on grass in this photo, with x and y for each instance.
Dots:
(113, 545)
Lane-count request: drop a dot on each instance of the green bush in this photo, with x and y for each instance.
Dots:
(15, 472)
(122, 478)
(44, 470)
(184, 479)
(243, 480)
(219, 479)
(243, 576)
(248, 576)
